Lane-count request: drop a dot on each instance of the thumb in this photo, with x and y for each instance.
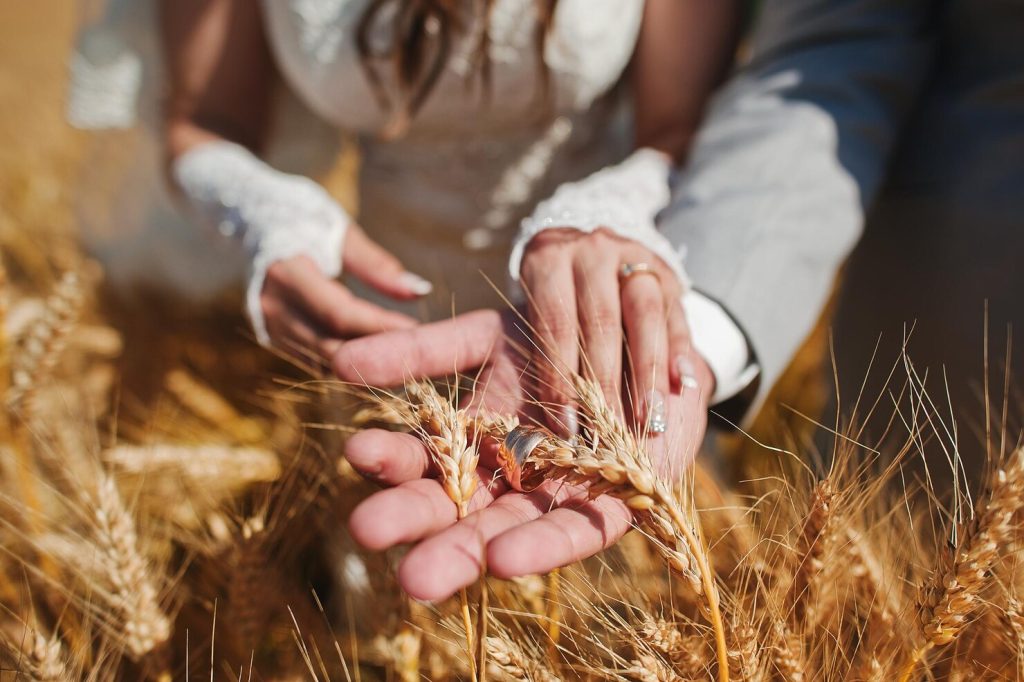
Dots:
(370, 263)
(437, 349)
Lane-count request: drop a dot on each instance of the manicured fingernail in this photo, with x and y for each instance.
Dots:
(687, 374)
(656, 422)
(570, 421)
(415, 284)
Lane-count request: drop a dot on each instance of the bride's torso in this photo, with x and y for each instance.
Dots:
(446, 197)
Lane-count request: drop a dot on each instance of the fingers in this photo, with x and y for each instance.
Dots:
(644, 318)
(411, 511)
(577, 529)
(294, 332)
(454, 558)
(369, 262)
(680, 346)
(600, 319)
(388, 457)
(327, 303)
(548, 279)
(449, 347)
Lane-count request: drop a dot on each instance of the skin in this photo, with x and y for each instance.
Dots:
(510, 533)
(221, 76)
(577, 305)
(222, 73)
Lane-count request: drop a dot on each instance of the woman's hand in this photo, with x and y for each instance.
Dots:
(307, 312)
(508, 532)
(585, 310)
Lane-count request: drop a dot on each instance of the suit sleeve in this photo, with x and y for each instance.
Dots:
(790, 155)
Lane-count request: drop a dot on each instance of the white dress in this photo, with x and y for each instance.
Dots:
(447, 197)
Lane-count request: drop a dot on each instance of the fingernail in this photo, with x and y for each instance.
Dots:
(415, 284)
(687, 374)
(570, 421)
(656, 422)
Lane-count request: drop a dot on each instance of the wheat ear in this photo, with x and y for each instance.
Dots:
(42, 343)
(616, 464)
(134, 595)
(788, 654)
(952, 593)
(445, 430)
(510, 662)
(817, 536)
(685, 653)
(745, 655)
(36, 656)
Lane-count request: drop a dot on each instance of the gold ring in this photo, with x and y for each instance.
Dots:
(627, 270)
(517, 445)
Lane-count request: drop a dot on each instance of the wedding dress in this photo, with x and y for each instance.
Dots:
(456, 199)
(446, 198)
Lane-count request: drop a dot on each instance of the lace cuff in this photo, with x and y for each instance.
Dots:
(269, 214)
(624, 199)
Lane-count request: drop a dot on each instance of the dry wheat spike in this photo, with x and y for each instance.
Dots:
(34, 655)
(616, 464)
(953, 593)
(43, 342)
(144, 627)
(508, 660)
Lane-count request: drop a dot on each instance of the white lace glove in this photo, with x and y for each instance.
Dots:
(624, 199)
(270, 214)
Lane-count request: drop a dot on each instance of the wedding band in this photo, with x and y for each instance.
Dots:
(515, 448)
(627, 270)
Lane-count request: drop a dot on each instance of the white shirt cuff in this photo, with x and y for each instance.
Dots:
(722, 344)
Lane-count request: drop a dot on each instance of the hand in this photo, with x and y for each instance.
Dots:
(511, 533)
(306, 312)
(583, 312)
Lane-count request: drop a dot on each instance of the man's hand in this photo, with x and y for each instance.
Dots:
(511, 533)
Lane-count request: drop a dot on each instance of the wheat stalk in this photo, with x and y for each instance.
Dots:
(207, 465)
(952, 594)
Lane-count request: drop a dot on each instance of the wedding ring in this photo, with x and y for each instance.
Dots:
(627, 270)
(515, 448)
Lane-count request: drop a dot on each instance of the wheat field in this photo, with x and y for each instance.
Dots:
(172, 500)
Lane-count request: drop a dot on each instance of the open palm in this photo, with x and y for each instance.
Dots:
(509, 532)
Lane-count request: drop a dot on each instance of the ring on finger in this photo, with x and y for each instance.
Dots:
(627, 270)
(515, 448)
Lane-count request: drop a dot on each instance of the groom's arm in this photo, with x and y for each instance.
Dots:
(789, 158)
